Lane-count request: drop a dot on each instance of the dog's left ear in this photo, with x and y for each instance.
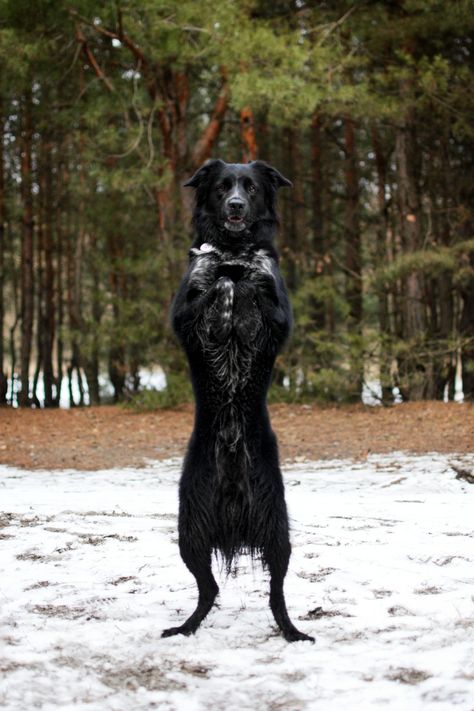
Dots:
(277, 179)
(202, 173)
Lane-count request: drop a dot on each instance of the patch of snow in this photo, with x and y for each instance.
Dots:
(381, 574)
(150, 378)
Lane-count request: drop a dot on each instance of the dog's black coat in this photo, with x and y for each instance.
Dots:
(232, 316)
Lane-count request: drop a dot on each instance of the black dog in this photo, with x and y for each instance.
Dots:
(232, 316)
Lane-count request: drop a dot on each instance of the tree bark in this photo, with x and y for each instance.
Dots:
(353, 260)
(3, 376)
(319, 242)
(295, 232)
(48, 325)
(466, 329)
(27, 246)
(415, 372)
(382, 254)
(59, 290)
(118, 287)
(466, 290)
(247, 135)
(351, 226)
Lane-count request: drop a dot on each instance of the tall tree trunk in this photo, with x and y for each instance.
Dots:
(466, 328)
(414, 371)
(466, 290)
(247, 135)
(319, 241)
(295, 211)
(353, 261)
(46, 314)
(118, 286)
(74, 257)
(39, 284)
(351, 226)
(27, 245)
(317, 185)
(382, 254)
(91, 361)
(446, 359)
(49, 306)
(3, 376)
(59, 290)
(263, 134)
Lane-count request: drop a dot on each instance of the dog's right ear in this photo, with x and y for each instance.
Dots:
(202, 173)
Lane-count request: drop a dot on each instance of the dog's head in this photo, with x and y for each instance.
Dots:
(236, 196)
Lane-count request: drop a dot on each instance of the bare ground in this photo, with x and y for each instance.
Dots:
(106, 437)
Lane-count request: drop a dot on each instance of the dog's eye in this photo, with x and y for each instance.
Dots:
(251, 189)
(220, 190)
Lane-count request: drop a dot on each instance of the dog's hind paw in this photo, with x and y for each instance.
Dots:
(171, 631)
(297, 636)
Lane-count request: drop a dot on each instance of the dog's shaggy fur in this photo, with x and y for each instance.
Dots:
(232, 316)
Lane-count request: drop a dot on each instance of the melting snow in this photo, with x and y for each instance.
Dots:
(381, 574)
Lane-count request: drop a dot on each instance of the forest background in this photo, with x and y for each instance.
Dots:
(107, 107)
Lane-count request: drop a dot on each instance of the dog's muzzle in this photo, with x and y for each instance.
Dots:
(236, 212)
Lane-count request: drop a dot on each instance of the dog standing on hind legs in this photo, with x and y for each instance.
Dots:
(232, 316)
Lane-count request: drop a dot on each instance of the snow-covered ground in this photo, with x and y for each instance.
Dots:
(381, 573)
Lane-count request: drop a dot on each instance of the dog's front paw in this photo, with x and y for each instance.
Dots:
(220, 313)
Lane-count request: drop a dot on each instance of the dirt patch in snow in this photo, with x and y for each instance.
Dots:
(106, 437)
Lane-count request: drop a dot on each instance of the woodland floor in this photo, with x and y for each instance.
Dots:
(109, 437)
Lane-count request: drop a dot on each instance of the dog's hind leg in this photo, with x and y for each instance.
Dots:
(276, 557)
(199, 565)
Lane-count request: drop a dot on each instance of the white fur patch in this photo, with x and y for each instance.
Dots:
(264, 262)
(228, 304)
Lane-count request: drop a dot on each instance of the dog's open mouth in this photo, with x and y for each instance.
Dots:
(235, 223)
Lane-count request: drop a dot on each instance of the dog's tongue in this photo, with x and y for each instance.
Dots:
(235, 218)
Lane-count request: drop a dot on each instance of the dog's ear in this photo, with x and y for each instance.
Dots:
(276, 178)
(202, 173)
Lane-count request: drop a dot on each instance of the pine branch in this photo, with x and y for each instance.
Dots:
(120, 36)
(204, 144)
(92, 60)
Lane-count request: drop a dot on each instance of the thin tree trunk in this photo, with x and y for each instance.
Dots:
(353, 261)
(295, 212)
(319, 242)
(3, 376)
(466, 329)
(49, 307)
(247, 135)
(263, 135)
(415, 373)
(382, 257)
(61, 208)
(446, 377)
(39, 284)
(12, 331)
(466, 290)
(91, 362)
(117, 359)
(60, 307)
(351, 227)
(73, 272)
(27, 274)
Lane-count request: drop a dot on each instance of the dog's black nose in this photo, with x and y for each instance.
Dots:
(236, 206)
